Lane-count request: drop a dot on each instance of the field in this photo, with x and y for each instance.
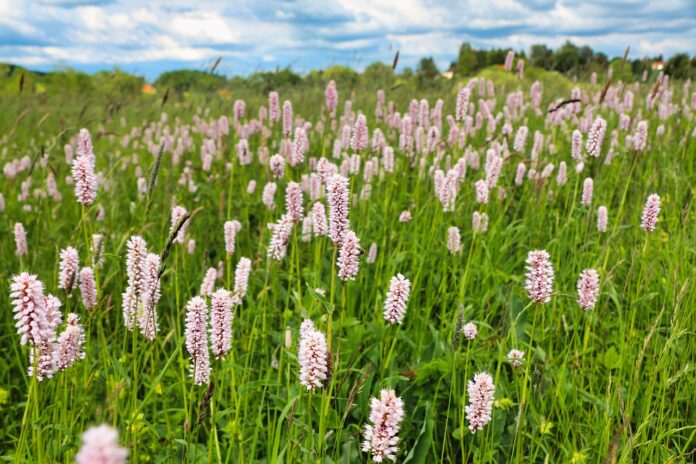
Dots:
(455, 188)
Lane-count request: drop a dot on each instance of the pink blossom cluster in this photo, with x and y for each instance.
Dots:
(381, 436)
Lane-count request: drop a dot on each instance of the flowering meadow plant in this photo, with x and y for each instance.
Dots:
(492, 268)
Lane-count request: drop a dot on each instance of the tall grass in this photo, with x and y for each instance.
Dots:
(614, 384)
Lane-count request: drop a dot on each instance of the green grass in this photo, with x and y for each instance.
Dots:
(610, 385)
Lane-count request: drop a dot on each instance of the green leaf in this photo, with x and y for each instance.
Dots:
(419, 452)
(612, 359)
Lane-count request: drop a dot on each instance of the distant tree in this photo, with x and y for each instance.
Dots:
(585, 54)
(274, 80)
(541, 56)
(378, 70)
(378, 75)
(467, 63)
(343, 75)
(600, 59)
(566, 58)
(426, 70)
(186, 80)
(490, 57)
(679, 66)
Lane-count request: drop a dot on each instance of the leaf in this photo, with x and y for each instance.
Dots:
(612, 359)
(419, 452)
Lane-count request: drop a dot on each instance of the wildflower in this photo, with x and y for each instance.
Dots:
(196, 339)
(481, 191)
(540, 275)
(69, 266)
(243, 152)
(358, 141)
(470, 331)
(220, 322)
(372, 253)
(381, 436)
(299, 147)
(208, 281)
(70, 342)
(319, 224)
(230, 229)
(53, 314)
(454, 241)
(494, 165)
(287, 118)
(481, 392)
(397, 296)
(178, 212)
(588, 288)
(282, 229)
(602, 219)
(520, 139)
(88, 288)
(293, 201)
(147, 317)
(447, 189)
(479, 222)
(307, 228)
(273, 107)
(562, 176)
(27, 294)
(313, 356)
(516, 357)
(42, 358)
(84, 144)
(462, 103)
(20, 237)
(268, 195)
(576, 145)
(587, 187)
(137, 251)
(100, 446)
(596, 137)
(338, 197)
(652, 210)
(277, 165)
(349, 256)
(641, 136)
(238, 109)
(85, 180)
(519, 174)
(241, 280)
(331, 97)
(405, 216)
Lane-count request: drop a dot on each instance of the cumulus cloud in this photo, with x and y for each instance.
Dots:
(151, 37)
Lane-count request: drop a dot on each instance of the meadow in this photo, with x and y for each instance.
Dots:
(344, 275)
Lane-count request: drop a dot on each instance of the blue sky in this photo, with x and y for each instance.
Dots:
(149, 37)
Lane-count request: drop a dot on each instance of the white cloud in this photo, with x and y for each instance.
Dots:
(313, 33)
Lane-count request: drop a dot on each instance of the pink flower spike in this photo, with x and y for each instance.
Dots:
(540, 276)
(313, 356)
(349, 257)
(397, 296)
(481, 393)
(650, 214)
(381, 437)
(100, 446)
(197, 340)
(588, 289)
